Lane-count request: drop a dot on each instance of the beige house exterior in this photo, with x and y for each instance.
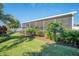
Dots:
(66, 19)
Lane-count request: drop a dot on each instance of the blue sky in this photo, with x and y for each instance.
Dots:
(26, 12)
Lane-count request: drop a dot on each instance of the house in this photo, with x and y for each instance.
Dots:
(66, 19)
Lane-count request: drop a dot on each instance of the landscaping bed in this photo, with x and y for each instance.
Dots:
(34, 47)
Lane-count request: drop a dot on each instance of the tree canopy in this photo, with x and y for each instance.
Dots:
(8, 19)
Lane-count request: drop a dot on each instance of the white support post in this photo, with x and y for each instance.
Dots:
(72, 22)
(74, 12)
(43, 25)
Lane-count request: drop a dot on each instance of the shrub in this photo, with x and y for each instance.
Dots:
(48, 34)
(9, 31)
(29, 31)
(33, 32)
(38, 32)
(3, 29)
(69, 37)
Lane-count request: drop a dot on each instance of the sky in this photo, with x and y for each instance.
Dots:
(30, 11)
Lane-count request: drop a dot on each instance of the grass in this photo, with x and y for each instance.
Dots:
(23, 46)
(60, 50)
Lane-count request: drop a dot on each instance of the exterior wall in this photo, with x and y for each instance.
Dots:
(65, 20)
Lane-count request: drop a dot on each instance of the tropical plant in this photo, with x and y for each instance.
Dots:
(54, 27)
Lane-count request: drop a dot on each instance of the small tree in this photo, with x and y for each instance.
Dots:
(8, 20)
(54, 27)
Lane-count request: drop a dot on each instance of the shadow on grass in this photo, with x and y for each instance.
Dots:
(32, 54)
(22, 37)
(8, 37)
(19, 39)
(53, 50)
(5, 38)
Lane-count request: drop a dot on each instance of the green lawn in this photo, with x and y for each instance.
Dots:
(23, 46)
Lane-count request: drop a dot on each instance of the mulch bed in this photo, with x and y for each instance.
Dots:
(48, 41)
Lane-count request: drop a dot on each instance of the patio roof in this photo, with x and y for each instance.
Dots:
(60, 15)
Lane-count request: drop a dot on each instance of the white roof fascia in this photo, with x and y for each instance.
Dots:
(73, 13)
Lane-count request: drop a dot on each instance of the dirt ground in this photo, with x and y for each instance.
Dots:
(46, 40)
